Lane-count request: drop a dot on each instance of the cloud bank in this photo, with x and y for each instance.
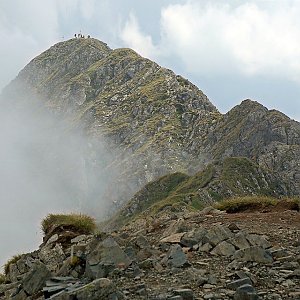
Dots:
(249, 38)
(245, 49)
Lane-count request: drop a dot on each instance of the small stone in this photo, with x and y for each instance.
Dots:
(142, 242)
(258, 240)
(208, 286)
(176, 257)
(146, 264)
(246, 292)
(241, 274)
(295, 295)
(279, 253)
(239, 282)
(294, 274)
(78, 239)
(186, 294)
(209, 296)
(52, 239)
(217, 234)
(224, 248)
(205, 248)
(194, 237)
(288, 283)
(173, 239)
(212, 279)
(239, 241)
(254, 254)
(233, 227)
(201, 281)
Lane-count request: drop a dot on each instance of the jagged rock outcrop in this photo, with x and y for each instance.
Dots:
(268, 137)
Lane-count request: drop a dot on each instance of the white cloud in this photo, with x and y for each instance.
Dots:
(250, 38)
(134, 38)
(88, 8)
(247, 38)
(26, 28)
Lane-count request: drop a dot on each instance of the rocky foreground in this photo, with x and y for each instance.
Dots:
(203, 255)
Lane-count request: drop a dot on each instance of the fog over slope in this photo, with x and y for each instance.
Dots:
(45, 168)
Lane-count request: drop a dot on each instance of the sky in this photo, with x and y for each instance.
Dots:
(232, 50)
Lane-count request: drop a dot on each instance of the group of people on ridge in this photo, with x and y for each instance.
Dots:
(80, 36)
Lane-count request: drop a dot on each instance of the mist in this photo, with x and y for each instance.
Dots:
(47, 166)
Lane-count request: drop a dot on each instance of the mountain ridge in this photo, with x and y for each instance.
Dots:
(161, 122)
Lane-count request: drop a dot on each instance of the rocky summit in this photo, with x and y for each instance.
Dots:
(172, 159)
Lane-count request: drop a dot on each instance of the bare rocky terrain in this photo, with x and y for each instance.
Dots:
(201, 255)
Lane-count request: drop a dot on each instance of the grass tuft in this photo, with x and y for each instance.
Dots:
(2, 278)
(11, 261)
(239, 204)
(80, 222)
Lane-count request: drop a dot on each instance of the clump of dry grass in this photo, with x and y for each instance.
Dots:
(239, 204)
(2, 278)
(11, 261)
(80, 222)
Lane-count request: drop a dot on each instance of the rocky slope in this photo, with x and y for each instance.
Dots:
(268, 137)
(151, 121)
(228, 178)
(178, 256)
(146, 112)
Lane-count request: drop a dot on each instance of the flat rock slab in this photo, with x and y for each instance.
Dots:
(176, 257)
(173, 239)
(185, 294)
(254, 254)
(224, 248)
(107, 256)
(246, 292)
(217, 235)
(36, 278)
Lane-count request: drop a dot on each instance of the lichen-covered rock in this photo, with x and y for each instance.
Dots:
(224, 248)
(53, 256)
(105, 257)
(176, 257)
(101, 288)
(36, 278)
(254, 254)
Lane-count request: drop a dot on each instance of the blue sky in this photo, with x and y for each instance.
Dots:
(245, 49)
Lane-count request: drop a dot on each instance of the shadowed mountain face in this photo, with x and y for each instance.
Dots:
(150, 120)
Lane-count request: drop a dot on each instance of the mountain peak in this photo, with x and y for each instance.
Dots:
(165, 122)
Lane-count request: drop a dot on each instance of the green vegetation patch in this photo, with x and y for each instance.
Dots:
(11, 261)
(2, 279)
(241, 173)
(240, 204)
(200, 180)
(79, 222)
(158, 190)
